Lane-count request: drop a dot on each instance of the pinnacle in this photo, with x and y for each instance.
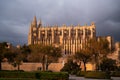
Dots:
(34, 20)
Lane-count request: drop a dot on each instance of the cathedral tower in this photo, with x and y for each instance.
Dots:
(70, 38)
(32, 36)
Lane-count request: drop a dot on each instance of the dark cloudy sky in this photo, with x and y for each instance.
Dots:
(16, 15)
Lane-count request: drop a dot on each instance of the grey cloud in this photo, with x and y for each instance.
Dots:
(16, 15)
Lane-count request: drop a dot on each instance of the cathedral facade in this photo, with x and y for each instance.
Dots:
(69, 38)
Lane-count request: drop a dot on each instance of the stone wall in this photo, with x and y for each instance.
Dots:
(32, 66)
(56, 67)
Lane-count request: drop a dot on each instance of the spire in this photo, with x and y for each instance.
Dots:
(93, 24)
(34, 22)
(78, 24)
(85, 24)
(71, 25)
(39, 23)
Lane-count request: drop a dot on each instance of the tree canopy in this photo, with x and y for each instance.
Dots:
(100, 48)
(84, 56)
(3, 51)
(108, 64)
(44, 54)
(71, 67)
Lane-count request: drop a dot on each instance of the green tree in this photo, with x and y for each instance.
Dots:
(3, 51)
(44, 54)
(99, 48)
(51, 54)
(108, 64)
(71, 67)
(22, 55)
(25, 51)
(84, 56)
(10, 55)
(18, 60)
(15, 57)
(36, 54)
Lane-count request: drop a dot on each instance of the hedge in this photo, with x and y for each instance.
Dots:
(115, 74)
(53, 76)
(97, 75)
(81, 73)
(17, 75)
(17, 79)
(35, 75)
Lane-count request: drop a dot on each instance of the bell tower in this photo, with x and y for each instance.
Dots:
(32, 36)
(34, 22)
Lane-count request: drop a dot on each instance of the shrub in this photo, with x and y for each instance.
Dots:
(11, 70)
(115, 74)
(54, 76)
(17, 75)
(34, 75)
(71, 67)
(97, 75)
(108, 65)
(81, 73)
(16, 79)
(118, 68)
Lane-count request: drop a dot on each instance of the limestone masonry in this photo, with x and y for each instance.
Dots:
(70, 38)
